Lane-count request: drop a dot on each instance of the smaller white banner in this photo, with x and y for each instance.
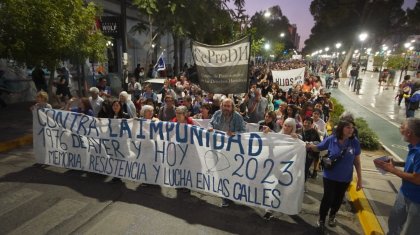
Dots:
(288, 78)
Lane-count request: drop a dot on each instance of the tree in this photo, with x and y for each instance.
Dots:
(48, 31)
(413, 19)
(343, 20)
(271, 27)
(184, 18)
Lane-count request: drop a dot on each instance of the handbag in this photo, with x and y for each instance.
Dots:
(328, 163)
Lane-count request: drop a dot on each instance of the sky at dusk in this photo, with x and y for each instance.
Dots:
(297, 11)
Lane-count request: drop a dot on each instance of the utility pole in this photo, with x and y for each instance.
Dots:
(124, 44)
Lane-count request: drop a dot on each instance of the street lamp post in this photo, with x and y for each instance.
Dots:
(382, 54)
(267, 48)
(337, 47)
(407, 47)
(362, 38)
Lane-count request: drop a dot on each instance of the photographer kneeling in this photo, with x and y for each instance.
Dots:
(343, 152)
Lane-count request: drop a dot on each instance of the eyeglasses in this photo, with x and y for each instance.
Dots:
(179, 113)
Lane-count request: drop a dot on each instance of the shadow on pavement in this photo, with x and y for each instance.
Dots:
(237, 219)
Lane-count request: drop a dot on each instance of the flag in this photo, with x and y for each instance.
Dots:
(160, 64)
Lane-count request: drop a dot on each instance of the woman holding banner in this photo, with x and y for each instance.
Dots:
(343, 153)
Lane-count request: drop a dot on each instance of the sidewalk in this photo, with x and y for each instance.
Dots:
(380, 99)
(15, 126)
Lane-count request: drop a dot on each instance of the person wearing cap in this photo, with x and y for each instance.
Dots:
(95, 100)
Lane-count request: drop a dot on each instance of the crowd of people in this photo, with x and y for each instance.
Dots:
(301, 112)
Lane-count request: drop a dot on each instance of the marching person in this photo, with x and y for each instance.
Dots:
(228, 120)
(127, 105)
(344, 153)
(309, 134)
(413, 100)
(257, 105)
(83, 106)
(95, 100)
(405, 214)
(269, 123)
(41, 101)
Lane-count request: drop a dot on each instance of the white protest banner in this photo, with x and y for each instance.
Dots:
(222, 68)
(249, 127)
(287, 78)
(256, 169)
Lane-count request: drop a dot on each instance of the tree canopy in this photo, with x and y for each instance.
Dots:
(47, 31)
(343, 20)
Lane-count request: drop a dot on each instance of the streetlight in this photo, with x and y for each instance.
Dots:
(267, 46)
(282, 35)
(267, 14)
(337, 46)
(362, 38)
(382, 54)
(408, 48)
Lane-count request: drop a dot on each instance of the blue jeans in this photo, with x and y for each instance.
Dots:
(405, 217)
(409, 113)
(352, 80)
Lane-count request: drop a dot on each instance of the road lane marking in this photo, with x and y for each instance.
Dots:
(113, 226)
(12, 200)
(400, 147)
(50, 218)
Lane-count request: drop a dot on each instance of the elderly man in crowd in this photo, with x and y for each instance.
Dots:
(257, 105)
(228, 120)
(405, 214)
(95, 100)
(128, 105)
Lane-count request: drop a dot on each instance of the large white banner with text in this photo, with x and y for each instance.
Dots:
(256, 169)
(288, 78)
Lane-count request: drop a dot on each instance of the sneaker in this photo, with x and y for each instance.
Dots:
(314, 175)
(332, 222)
(225, 203)
(268, 215)
(320, 227)
(185, 190)
(116, 180)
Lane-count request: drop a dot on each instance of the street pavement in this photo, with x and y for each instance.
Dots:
(44, 199)
(378, 107)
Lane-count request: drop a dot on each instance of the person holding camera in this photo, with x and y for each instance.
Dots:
(343, 153)
(269, 123)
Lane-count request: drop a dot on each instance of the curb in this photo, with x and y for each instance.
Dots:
(12, 144)
(364, 211)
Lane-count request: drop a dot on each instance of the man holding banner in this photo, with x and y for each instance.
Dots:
(229, 121)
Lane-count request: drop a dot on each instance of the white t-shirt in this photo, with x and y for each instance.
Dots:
(96, 105)
(320, 126)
